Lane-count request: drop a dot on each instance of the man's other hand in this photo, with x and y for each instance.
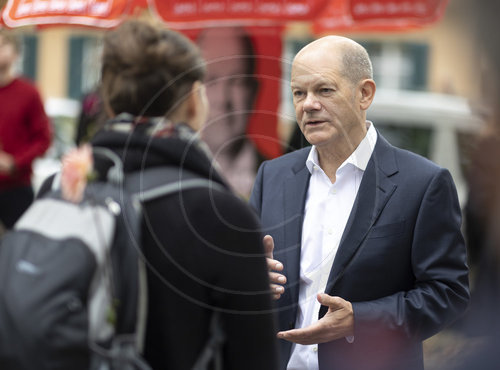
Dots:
(277, 280)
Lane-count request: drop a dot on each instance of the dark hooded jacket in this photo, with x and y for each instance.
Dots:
(204, 254)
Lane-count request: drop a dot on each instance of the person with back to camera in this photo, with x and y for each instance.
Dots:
(203, 248)
(365, 250)
(25, 133)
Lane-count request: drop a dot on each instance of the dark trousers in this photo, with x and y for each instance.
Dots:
(13, 203)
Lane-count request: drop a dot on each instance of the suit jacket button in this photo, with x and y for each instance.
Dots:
(291, 325)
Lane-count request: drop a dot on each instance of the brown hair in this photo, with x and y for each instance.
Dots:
(11, 38)
(147, 69)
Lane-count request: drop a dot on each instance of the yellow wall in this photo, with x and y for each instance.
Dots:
(53, 59)
(52, 69)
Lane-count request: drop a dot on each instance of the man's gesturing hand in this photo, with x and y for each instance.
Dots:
(277, 280)
(337, 323)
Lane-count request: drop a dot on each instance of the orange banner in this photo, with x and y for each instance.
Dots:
(96, 13)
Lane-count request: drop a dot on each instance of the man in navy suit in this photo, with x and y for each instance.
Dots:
(366, 255)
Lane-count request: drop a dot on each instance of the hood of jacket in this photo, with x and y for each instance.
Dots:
(139, 150)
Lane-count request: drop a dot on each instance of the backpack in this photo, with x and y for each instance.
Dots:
(72, 279)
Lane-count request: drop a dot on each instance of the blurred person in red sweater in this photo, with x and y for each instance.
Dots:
(24, 133)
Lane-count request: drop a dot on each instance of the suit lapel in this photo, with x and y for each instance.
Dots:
(375, 190)
(295, 195)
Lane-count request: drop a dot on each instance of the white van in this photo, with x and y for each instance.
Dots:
(439, 127)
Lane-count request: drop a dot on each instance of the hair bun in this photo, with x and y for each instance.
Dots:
(143, 63)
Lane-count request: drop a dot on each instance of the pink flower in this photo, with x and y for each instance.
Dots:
(77, 167)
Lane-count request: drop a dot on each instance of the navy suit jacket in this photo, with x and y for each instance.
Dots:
(401, 260)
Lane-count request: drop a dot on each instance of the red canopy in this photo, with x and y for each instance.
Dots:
(326, 15)
(95, 13)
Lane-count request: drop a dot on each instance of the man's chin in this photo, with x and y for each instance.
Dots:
(317, 140)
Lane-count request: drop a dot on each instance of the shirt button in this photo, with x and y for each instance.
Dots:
(330, 230)
(333, 191)
(315, 349)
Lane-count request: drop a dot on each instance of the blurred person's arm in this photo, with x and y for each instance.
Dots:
(7, 164)
(40, 134)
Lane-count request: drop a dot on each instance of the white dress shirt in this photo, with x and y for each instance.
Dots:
(327, 209)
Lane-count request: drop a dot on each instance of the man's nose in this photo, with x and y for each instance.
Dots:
(311, 103)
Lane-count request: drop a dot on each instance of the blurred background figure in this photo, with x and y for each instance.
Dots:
(482, 324)
(231, 88)
(483, 207)
(25, 133)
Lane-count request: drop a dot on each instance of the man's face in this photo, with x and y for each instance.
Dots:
(326, 102)
(8, 54)
(230, 94)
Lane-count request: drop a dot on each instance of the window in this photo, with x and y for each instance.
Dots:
(412, 137)
(26, 64)
(399, 65)
(84, 65)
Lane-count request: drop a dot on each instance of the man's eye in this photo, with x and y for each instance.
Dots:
(297, 94)
(326, 90)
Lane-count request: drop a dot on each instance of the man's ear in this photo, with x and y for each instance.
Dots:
(367, 88)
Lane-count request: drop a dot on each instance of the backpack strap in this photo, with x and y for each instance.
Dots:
(156, 182)
(213, 347)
